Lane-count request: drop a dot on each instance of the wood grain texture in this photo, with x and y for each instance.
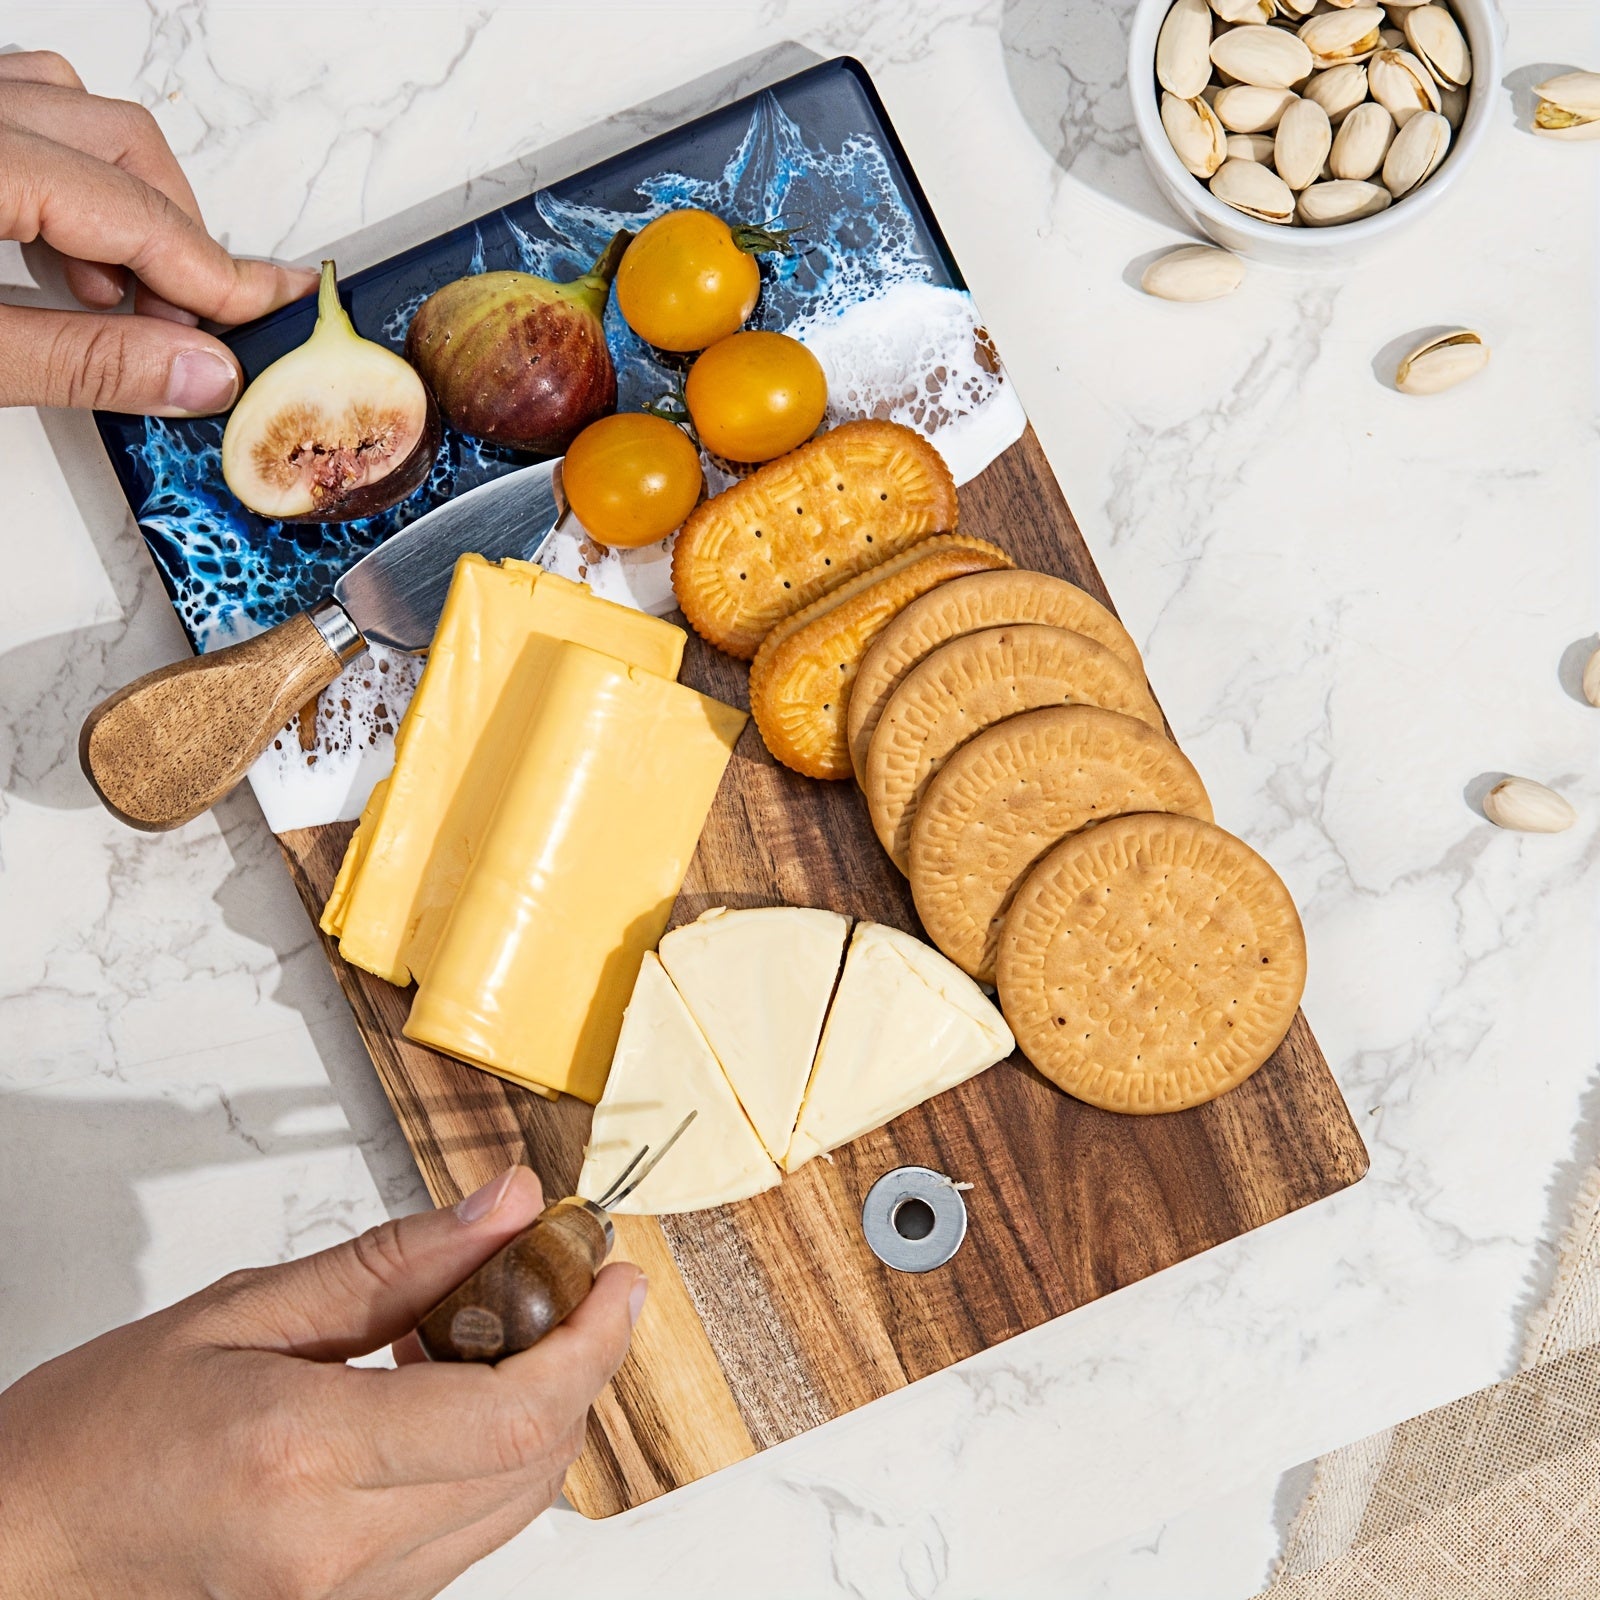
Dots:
(769, 1317)
(174, 742)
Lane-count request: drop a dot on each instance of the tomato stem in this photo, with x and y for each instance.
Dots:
(757, 240)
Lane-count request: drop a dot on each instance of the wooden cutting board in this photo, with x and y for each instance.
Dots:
(771, 1316)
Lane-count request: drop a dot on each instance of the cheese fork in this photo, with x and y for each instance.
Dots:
(535, 1282)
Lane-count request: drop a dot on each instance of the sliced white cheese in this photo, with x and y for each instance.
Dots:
(906, 1024)
(663, 1069)
(758, 982)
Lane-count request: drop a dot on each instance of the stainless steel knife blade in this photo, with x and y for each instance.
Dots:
(395, 594)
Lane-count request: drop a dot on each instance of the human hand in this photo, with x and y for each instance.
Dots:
(221, 1448)
(96, 180)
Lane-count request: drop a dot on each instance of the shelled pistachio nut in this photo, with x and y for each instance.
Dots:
(1591, 679)
(1338, 90)
(1569, 106)
(1269, 58)
(1247, 108)
(1198, 139)
(1340, 36)
(1304, 138)
(1528, 807)
(1255, 190)
(1438, 43)
(1243, 11)
(1251, 147)
(1196, 272)
(1401, 85)
(1362, 142)
(1183, 59)
(1417, 150)
(1442, 362)
(1341, 200)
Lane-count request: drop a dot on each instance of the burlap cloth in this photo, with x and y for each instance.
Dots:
(1493, 1497)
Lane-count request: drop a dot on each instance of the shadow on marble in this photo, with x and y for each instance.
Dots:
(70, 1266)
(1475, 791)
(1521, 83)
(560, 159)
(1573, 660)
(1067, 66)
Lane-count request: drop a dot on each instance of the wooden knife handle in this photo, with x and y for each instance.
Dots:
(174, 742)
(519, 1294)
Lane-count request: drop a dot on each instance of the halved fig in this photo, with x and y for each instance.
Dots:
(337, 429)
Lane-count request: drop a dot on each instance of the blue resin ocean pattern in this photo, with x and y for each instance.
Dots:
(231, 573)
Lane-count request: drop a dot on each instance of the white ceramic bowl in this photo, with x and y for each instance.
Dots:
(1286, 246)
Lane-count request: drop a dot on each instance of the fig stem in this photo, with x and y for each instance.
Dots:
(330, 310)
(605, 267)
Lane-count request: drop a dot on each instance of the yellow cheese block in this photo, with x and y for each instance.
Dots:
(456, 744)
(332, 922)
(596, 824)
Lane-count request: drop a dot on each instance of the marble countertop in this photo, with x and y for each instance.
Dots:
(1355, 606)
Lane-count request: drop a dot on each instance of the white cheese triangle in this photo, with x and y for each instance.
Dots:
(906, 1024)
(758, 982)
(663, 1069)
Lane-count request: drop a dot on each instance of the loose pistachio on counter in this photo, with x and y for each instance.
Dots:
(1194, 273)
(1442, 362)
(1569, 107)
(1524, 806)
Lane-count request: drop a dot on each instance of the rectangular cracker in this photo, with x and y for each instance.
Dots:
(800, 681)
(799, 526)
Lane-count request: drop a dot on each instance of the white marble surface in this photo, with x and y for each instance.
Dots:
(1354, 605)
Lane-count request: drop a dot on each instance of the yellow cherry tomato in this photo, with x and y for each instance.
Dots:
(684, 282)
(632, 479)
(756, 395)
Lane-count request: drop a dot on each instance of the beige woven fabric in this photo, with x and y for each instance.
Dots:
(1494, 1495)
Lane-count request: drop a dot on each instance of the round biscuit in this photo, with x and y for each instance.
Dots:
(1151, 963)
(970, 684)
(988, 600)
(1016, 790)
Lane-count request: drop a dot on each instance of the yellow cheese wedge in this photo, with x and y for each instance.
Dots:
(601, 809)
(905, 1024)
(758, 982)
(663, 1069)
(456, 743)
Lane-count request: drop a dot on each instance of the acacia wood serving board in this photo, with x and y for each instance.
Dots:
(771, 1316)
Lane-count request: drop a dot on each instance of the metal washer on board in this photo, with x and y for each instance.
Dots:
(914, 1219)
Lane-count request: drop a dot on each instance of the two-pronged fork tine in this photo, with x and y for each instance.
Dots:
(617, 1192)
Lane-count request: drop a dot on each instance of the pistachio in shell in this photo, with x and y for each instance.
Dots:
(1569, 106)
(517, 359)
(339, 428)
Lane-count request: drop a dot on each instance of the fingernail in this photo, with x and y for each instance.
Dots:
(200, 381)
(636, 1296)
(482, 1201)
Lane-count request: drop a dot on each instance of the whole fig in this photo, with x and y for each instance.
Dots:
(517, 359)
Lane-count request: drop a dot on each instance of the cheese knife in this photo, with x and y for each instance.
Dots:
(538, 1280)
(174, 742)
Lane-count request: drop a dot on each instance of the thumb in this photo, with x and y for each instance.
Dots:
(360, 1296)
(113, 363)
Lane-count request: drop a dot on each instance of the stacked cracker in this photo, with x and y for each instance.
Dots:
(1015, 766)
